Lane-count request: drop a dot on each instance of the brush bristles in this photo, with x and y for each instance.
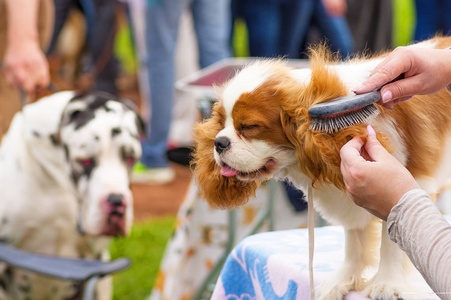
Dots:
(334, 123)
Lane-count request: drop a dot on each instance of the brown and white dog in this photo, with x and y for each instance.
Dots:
(260, 129)
(65, 167)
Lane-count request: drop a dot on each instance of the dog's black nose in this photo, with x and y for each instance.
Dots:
(221, 144)
(115, 199)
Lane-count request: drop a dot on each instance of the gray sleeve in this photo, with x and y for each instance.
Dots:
(420, 230)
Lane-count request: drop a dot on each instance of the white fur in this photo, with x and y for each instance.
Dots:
(247, 80)
(389, 282)
(40, 205)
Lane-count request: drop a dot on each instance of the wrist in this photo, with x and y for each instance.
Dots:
(19, 38)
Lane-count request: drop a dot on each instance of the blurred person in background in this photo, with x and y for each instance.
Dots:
(325, 21)
(25, 30)
(101, 31)
(279, 28)
(211, 21)
(263, 22)
(432, 18)
(371, 24)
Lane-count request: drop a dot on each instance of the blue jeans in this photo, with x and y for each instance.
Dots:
(298, 18)
(262, 19)
(212, 25)
(101, 31)
(432, 18)
(334, 29)
(295, 24)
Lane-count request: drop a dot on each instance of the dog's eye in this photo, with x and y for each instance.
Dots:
(130, 161)
(248, 127)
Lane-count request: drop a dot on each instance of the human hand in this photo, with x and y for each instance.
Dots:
(26, 66)
(372, 176)
(426, 71)
(335, 8)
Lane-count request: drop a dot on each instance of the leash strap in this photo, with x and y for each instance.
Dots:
(311, 235)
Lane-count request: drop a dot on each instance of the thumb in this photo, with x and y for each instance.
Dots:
(373, 147)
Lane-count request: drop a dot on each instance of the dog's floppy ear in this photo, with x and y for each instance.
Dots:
(219, 191)
(140, 123)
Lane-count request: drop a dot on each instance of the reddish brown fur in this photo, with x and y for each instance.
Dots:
(280, 107)
(219, 191)
(424, 121)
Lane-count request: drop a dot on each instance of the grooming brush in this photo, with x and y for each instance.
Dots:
(345, 111)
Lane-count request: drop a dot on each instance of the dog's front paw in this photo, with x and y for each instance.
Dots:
(337, 286)
(385, 289)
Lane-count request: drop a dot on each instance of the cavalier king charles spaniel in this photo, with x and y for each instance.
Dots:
(260, 130)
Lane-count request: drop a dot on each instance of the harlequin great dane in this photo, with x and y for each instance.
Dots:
(65, 167)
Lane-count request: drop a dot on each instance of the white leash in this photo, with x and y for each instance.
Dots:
(311, 234)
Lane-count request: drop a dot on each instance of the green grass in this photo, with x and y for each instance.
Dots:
(145, 247)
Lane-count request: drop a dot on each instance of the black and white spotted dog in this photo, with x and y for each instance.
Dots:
(65, 167)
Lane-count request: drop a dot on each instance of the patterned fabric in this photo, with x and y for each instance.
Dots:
(270, 265)
(201, 237)
(274, 265)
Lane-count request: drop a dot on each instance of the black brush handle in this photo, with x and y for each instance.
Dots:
(347, 103)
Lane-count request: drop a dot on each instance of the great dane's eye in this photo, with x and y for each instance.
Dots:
(130, 161)
(86, 162)
(88, 165)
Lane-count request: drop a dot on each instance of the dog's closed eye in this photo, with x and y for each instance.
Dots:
(248, 127)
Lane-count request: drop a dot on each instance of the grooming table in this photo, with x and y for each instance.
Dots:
(88, 272)
(274, 265)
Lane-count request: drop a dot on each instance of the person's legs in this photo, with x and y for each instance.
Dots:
(335, 30)
(212, 25)
(427, 19)
(445, 17)
(162, 22)
(263, 27)
(101, 44)
(62, 9)
(294, 25)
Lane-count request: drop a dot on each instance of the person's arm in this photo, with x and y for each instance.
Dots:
(425, 70)
(377, 182)
(24, 64)
(420, 230)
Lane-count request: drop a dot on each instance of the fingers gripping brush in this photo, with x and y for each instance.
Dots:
(345, 111)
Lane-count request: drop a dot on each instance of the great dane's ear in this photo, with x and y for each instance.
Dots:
(73, 113)
(140, 123)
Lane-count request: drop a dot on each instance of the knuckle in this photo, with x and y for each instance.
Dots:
(356, 175)
(398, 90)
(401, 49)
(384, 71)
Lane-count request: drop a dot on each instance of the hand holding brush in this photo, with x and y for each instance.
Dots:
(426, 71)
(407, 71)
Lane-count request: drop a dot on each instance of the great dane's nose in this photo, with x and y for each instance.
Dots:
(222, 144)
(115, 199)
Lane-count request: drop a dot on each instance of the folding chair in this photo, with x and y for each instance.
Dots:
(85, 271)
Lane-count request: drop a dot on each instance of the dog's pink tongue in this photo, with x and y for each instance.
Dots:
(228, 171)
